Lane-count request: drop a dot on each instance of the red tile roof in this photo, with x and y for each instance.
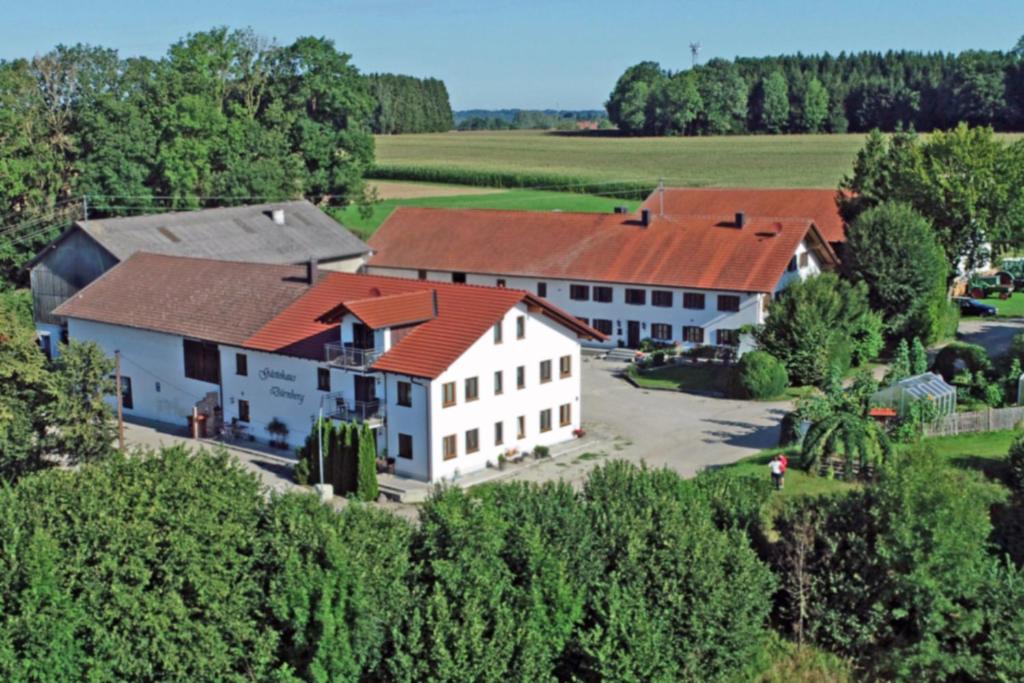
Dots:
(697, 252)
(219, 301)
(272, 308)
(818, 205)
(464, 314)
(389, 311)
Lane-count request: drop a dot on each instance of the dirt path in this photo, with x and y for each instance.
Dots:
(398, 189)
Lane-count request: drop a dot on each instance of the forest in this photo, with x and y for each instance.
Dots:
(404, 104)
(823, 93)
(224, 117)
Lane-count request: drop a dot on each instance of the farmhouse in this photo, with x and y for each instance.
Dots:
(284, 232)
(695, 280)
(449, 376)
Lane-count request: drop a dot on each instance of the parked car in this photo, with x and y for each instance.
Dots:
(969, 306)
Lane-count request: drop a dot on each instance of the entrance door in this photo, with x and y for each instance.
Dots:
(632, 334)
(362, 336)
(365, 388)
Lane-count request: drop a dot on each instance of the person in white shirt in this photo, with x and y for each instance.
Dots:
(775, 467)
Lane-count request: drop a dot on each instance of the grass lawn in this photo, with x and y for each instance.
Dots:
(982, 451)
(731, 160)
(1008, 308)
(524, 200)
(695, 378)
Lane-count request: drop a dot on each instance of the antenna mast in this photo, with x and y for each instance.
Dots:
(694, 53)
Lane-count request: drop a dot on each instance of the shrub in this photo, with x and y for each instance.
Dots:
(760, 375)
(1015, 461)
(789, 429)
(301, 472)
(972, 357)
(541, 452)
(658, 358)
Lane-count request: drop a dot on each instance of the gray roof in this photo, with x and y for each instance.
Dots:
(238, 233)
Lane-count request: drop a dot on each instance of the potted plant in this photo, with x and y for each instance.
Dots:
(540, 452)
(501, 461)
(279, 431)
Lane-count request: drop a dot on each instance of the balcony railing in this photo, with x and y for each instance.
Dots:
(348, 356)
(338, 408)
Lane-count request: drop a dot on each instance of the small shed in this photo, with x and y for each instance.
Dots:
(928, 386)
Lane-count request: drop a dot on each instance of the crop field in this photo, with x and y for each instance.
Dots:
(742, 160)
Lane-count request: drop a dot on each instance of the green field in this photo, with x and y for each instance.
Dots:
(524, 200)
(741, 160)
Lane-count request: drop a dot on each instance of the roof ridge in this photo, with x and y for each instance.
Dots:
(473, 209)
(193, 212)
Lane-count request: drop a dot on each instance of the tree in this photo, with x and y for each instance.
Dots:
(775, 103)
(812, 327)
(676, 103)
(899, 369)
(902, 574)
(858, 439)
(366, 482)
(892, 249)
(815, 107)
(966, 182)
(25, 391)
(627, 104)
(723, 94)
(80, 419)
(918, 358)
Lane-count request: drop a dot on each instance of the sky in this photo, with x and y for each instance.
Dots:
(493, 54)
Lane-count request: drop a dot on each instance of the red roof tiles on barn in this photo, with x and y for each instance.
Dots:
(698, 252)
(817, 205)
(219, 301)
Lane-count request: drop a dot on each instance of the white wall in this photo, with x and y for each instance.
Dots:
(752, 304)
(278, 386)
(544, 340)
(155, 363)
(618, 311)
(812, 268)
(411, 420)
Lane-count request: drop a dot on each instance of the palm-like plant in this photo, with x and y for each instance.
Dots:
(858, 439)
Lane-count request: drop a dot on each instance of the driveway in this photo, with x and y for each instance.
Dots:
(995, 334)
(684, 432)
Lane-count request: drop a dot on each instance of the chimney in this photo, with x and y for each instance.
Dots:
(312, 270)
(645, 217)
(278, 216)
(741, 219)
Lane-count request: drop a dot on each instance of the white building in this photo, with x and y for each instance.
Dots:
(450, 376)
(695, 280)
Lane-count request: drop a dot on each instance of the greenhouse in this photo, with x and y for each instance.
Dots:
(928, 386)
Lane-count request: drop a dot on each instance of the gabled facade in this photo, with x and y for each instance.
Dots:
(449, 376)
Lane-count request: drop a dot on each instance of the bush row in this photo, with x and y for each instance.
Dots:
(510, 179)
(173, 566)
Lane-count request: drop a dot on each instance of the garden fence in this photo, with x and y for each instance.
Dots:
(991, 420)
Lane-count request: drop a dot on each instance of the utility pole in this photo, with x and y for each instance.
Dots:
(120, 400)
(661, 197)
(320, 442)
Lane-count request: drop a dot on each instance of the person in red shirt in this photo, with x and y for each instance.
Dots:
(784, 463)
